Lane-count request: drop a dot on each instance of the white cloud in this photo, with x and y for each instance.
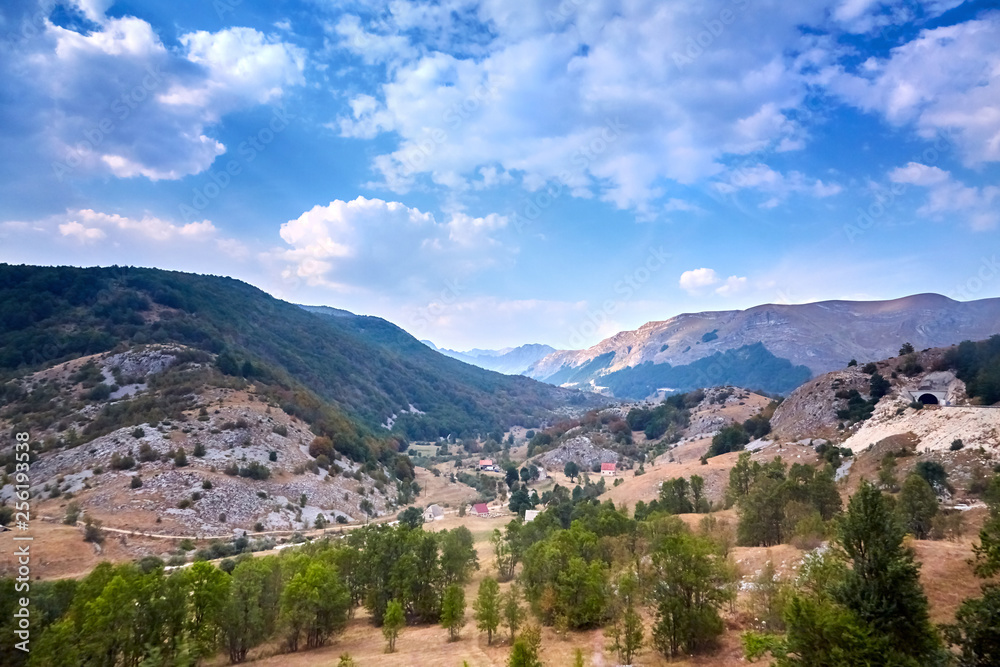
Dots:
(776, 186)
(81, 233)
(116, 101)
(946, 81)
(948, 198)
(611, 100)
(695, 280)
(732, 285)
(370, 244)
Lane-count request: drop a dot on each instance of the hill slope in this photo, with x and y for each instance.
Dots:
(370, 368)
(788, 342)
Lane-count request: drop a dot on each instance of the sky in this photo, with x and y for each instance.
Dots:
(488, 174)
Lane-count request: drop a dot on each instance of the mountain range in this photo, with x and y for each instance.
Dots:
(773, 347)
(509, 360)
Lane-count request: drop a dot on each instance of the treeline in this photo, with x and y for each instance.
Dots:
(368, 367)
(140, 614)
(978, 366)
(672, 415)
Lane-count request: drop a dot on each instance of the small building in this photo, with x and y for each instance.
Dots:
(529, 515)
(609, 469)
(481, 509)
(433, 513)
(486, 464)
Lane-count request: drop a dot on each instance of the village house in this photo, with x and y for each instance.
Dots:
(481, 509)
(609, 469)
(433, 513)
(530, 515)
(486, 464)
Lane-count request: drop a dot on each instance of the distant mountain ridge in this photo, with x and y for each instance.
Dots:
(509, 360)
(774, 347)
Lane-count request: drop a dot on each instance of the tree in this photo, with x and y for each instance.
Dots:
(392, 623)
(625, 630)
(976, 631)
(691, 584)
(243, 621)
(209, 588)
(674, 496)
(907, 348)
(917, 506)
(524, 653)
(878, 386)
(453, 611)
(934, 473)
(882, 586)
(314, 604)
(513, 613)
(411, 517)
(571, 469)
(487, 608)
(458, 555)
(698, 494)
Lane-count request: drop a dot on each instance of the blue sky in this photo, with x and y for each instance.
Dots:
(492, 173)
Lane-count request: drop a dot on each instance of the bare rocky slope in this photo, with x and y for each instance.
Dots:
(229, 432)
(724, 347)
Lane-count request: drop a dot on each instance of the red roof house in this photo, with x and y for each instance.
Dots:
(481, 509)
(608, 469)
(485, 463)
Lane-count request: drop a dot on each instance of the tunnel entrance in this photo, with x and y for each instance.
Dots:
(928, 399)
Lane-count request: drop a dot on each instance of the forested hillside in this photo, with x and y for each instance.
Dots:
(370, 368)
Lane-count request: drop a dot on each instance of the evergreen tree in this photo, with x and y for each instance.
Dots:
(882, 586)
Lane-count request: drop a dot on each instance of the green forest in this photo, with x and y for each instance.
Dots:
(368, 367)
(581, 564)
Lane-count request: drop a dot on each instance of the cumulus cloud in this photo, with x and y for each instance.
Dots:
(946, 81)
(948, 198)
(697, 281)
(372, 244)
(114, 100)
(606, 100)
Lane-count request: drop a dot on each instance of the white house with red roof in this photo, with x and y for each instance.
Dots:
(481, 509)
(609, 469)
(485, 464)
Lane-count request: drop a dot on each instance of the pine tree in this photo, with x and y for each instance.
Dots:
(882, 587)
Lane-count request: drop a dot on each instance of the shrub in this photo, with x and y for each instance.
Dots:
(956, 444)
(136, 482)
(280, 429)
(255, 470)
(119, 462)
(184, 503)
(180, 458)
(92, 531)
(138, 432)
(273, 456)
(199, 449)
